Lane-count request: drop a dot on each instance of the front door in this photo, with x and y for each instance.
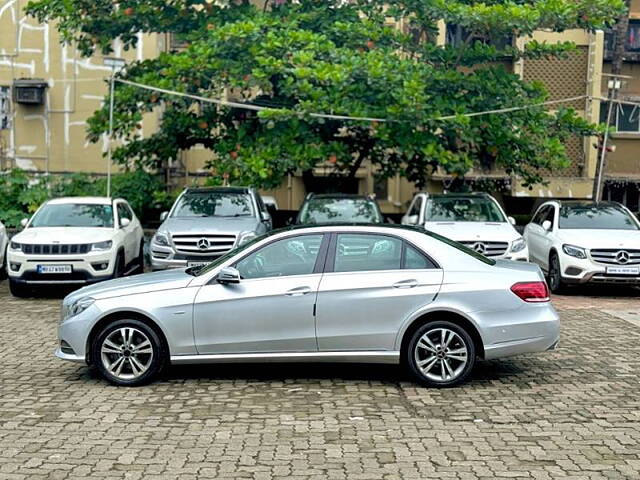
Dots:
(271, 309)
(374, 284)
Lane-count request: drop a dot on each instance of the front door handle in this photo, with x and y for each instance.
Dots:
(406, 284)
(296, 292)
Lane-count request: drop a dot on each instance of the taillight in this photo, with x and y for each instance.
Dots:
(533, 292)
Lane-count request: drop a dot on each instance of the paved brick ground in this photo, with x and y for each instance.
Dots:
(574, 413)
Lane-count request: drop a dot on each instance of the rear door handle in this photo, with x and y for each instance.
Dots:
(299, 291)
(406, 284)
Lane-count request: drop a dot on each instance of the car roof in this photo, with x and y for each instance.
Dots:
(338, 196)
(350, 225)
(459, 195)
(86, 200)
(585, 203)
(218, 189)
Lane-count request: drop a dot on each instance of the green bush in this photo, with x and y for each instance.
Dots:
(21, 192)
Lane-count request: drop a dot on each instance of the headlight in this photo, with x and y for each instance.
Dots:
(574, 251)
(102, 246)
(77, 307)
(15, 246)
(246, 237)
(518, 245)
(161, 239)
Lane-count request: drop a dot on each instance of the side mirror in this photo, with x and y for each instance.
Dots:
(265, 217)
(24, 222)
(512, 221)
(163, 216)
(124, 222)
(412, 219)
(228, 275)
(546, 225)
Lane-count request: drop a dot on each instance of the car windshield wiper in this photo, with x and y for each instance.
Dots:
(193, 271)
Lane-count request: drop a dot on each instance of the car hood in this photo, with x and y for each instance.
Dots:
(601, 238)
(470, 231)
(208, 225)
(146, 282)
(63, 235)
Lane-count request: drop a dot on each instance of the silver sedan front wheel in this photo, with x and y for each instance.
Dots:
(128, 352)
(441, 354)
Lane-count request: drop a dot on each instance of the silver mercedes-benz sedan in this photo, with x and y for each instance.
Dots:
(369, 294)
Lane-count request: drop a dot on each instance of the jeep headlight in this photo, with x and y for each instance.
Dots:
(246, 237)
(161, 239)
(15, 246)
(77, 307)
(518, 245)
(102, 246)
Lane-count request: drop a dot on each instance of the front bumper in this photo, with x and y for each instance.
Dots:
(87, 268)
(582, 271)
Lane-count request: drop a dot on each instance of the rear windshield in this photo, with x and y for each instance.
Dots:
(460, 247)
(340, 210)
(596, 217)
(463, 209)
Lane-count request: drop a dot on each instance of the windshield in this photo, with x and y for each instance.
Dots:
(463, 209)
(350, 210)
(213, 204)
(73, 215)
(596, 217)
(197, 271)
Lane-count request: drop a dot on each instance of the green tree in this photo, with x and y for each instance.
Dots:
(331, 56)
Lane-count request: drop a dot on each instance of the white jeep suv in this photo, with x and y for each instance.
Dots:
(474, 219)
(577, 242)
(75, 241)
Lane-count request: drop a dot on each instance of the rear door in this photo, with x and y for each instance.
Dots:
(372, 282)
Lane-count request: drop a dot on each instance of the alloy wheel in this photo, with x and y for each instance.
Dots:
(441, 355)
(126, 353)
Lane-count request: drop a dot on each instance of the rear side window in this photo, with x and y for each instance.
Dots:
(414, 260)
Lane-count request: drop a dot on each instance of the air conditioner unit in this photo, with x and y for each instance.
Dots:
(29, 91)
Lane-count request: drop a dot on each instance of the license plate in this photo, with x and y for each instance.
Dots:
(55, 269)
(196, 264)
(623, 270)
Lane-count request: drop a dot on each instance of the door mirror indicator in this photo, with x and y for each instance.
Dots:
(546, 225)
(228, 275)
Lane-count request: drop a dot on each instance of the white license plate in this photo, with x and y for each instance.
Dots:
(55, 269)
(623, 270)
(196, 264)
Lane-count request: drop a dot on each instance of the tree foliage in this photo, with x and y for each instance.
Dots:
(343, 58)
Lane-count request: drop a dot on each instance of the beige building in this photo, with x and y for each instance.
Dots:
(47, 91)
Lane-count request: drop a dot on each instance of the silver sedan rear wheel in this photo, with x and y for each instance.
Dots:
(441, 354)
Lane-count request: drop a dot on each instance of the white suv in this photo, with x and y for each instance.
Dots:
(583, 241)
(474, 219)
(75, 241)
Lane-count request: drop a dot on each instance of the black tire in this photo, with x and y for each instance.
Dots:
(556, 285)
(437, 361)
(18, 290)
(118, 270)
(140, 259)
(127, 375)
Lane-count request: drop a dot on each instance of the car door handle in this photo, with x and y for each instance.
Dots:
(406, 284)
(296, 292)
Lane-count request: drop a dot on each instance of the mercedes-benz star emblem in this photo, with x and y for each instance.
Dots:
(622, 257)
(203, 244)
(479, 247)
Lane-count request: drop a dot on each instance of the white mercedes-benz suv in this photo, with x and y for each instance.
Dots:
(75, 241)
(474, 219)
(577, 242)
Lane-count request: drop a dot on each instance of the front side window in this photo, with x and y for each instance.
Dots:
(416, 207)
(361, 253)
(328, 210)
(73, 215)
(457, 209)
(124, 212)
(541, 215)
(596, 217)
(289, 256)
(213, 204)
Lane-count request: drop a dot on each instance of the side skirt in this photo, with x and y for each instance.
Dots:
(329, 357)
